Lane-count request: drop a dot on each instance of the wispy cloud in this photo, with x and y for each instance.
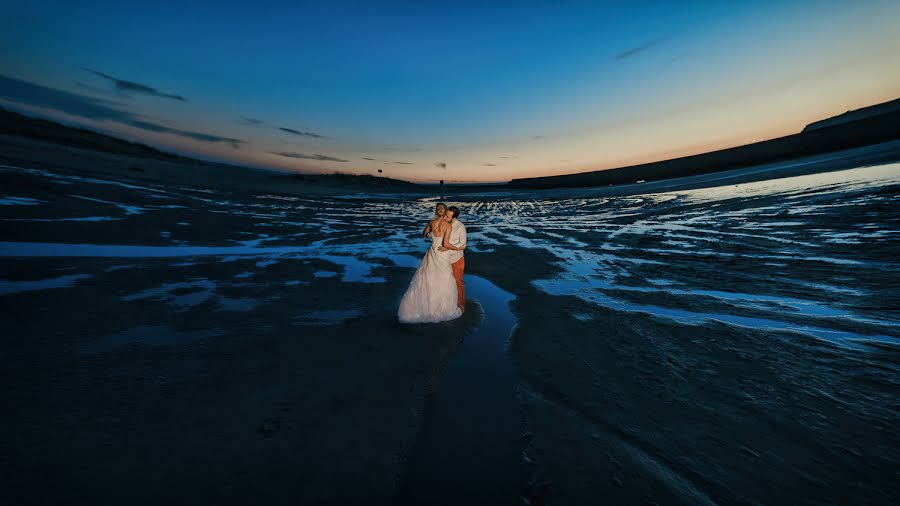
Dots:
(93, 89)
(28, 93)
(321, 158)
(390, 148)
(370, 159)
(200, 136)
(441, 165)
(403, 163)
(643, 47)
(298, 132)
(490, 165)
(133, 87)
(293, 131)
(25, 92)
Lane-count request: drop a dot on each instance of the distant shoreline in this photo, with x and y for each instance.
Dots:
(870, 126)
(863, 137)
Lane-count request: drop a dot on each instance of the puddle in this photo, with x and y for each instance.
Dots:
(241, 304)
(115, 268)
(129, 210)
(9, 286)
(86, 218)
(584, 291)
(146, 335)
(327, 317)
(48, 249)
(355, 270)
(172, 292)
(470, 446)
(19, 201)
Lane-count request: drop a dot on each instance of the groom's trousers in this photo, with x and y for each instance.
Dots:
(458, 267)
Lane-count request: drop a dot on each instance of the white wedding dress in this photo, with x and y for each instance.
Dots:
(431, 296)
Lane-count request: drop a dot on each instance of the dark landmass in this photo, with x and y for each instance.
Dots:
(13, 123)
(857, 114)
(48, 144)
(344, 179)
(864, 127)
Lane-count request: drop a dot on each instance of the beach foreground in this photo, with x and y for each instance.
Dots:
(172, 343)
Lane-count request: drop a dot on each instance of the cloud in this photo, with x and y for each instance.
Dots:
(200, 136)
(321, 158)
(73, 104)
(253, 121)
(537, 137)
(93, 89)
(403, 163)
(17, 90)
(441, 165)
(298, 132)
(643, 47)
(490, 165)
(389, 148)
(131, 86)
(370, 159)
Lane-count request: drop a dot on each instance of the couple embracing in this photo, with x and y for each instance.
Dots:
(436, 292)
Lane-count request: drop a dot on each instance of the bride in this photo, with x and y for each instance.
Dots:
(431, 296)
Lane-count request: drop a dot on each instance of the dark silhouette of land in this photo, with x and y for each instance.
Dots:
(863, 127)
(20, 125)
(44, 143)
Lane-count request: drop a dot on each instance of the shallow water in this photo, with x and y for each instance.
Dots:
(12, 286)
(469, 449)
(788, 249)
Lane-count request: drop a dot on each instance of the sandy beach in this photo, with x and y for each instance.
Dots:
(181, 334)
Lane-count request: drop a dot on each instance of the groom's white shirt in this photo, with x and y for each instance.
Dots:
(457, 238)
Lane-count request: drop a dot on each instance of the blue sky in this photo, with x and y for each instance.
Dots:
(494, 90)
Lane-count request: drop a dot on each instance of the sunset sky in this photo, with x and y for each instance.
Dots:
(460, 91)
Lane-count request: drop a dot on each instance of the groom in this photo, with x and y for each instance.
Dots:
(457, 260)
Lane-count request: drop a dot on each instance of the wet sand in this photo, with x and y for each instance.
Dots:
(139, 386)
(175, 343)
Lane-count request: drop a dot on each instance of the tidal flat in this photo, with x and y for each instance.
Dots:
(164, 343)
